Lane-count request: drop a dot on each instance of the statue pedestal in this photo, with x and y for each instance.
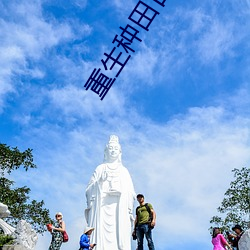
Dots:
(13, 247)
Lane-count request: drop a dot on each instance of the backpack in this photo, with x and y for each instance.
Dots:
(149, 212)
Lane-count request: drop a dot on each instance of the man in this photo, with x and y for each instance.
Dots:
(143, 224)
(239, 231)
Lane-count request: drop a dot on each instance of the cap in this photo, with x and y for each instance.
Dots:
(140, 195)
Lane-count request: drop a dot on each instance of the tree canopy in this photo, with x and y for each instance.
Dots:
(17, 199)
(235, 207)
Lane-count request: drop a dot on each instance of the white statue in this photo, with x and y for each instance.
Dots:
(4, 212)
(244, 242)
(110, 197)
(25, 235)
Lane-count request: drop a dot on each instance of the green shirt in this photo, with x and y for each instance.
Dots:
(142, 214)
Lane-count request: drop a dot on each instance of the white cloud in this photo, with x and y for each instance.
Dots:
(193, 33)
(124, 9)
(80, 3)
(217, 42)
(73, 101)
(142, 67)
(25, 35)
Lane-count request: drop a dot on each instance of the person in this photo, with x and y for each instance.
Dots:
(239, 231)
(218, 240)
(56, 231)
(142, 226)
(231, 240)
(110, 198)
(85, 239)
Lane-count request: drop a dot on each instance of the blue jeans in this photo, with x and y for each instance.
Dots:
(142, 230)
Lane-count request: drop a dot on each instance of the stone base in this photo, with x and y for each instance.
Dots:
(13, 247)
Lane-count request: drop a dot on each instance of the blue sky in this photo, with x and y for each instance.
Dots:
(180, 106)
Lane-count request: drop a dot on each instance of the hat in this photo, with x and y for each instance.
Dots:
(140, 195)
(87, 229)
(237, 227)
(59, 213)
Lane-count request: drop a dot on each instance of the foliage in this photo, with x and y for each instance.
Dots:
(12, 159)
(236, 204)
(6, 240)
(17, 199)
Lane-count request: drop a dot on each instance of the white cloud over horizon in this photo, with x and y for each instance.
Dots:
(188, 164)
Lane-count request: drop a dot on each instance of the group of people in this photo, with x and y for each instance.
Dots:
(219, 241)
(110, 200)
(110, 197)
(57, 234)
(144, 223)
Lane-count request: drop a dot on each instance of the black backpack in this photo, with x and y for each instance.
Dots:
(150, 218)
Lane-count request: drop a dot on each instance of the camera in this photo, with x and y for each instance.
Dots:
(134, 235)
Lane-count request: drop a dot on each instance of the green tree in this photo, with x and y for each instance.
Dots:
(17, 199)
(235, 207)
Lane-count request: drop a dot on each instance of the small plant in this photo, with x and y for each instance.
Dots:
(6, 240)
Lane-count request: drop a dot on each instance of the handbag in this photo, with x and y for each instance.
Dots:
(65, 236)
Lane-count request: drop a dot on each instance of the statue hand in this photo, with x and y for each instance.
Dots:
(104, 176)
(132, 217)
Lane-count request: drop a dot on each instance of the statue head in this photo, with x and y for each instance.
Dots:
(113, 150)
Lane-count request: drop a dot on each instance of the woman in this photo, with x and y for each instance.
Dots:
(56, 231)
(218, 240)
(84, 240)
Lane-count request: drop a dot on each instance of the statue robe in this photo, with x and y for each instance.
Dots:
(110, 197)
(244, 242)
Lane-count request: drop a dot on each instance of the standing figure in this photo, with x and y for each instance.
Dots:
(218, 240)
(239, 232)
(56, 231)
(234, 238)
(85, 239)
(110, 197)
(144, 223)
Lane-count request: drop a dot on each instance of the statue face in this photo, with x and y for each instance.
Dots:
(113, 150)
